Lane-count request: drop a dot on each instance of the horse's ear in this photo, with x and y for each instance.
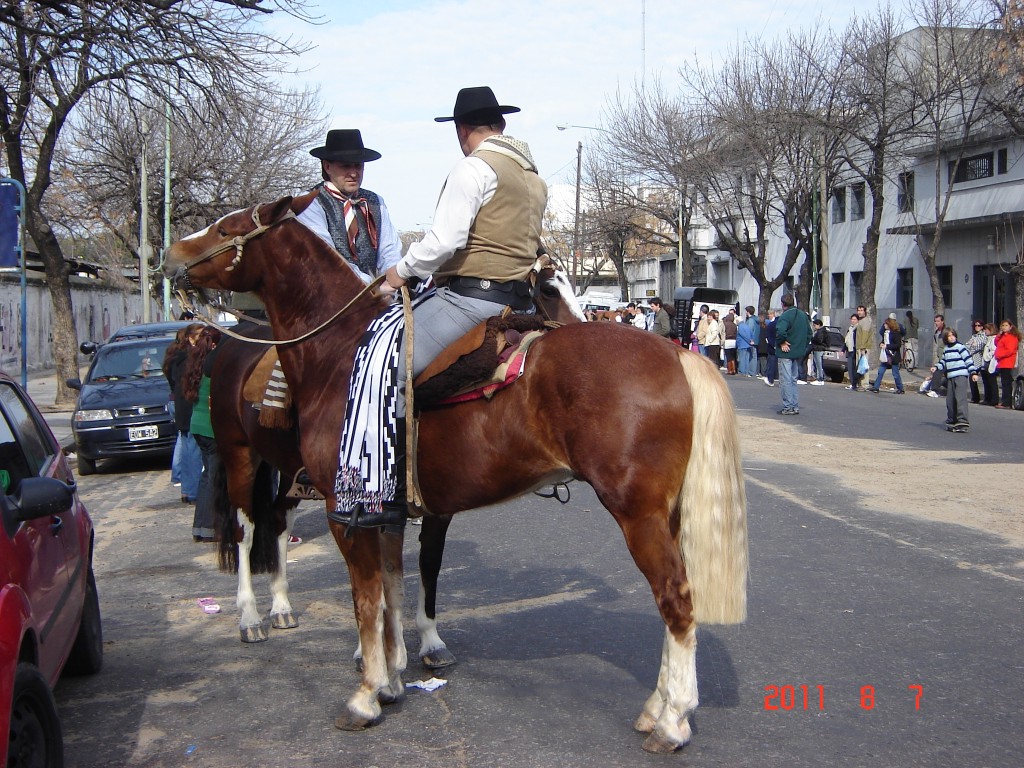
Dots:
(273, 212)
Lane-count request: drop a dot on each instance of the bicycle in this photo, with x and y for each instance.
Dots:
(907, 357)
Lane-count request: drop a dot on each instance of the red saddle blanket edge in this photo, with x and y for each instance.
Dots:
(516, 366)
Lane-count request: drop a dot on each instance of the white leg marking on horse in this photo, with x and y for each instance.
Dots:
(279, 580)
(680, 692)
(427, 627)
(246, 598)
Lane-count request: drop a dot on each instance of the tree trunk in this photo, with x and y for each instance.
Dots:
(65, 337)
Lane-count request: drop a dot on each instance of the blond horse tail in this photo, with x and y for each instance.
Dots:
(713, 500)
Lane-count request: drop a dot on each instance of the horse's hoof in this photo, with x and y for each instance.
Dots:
(283, 621)
(387, 697)
(439, 658)
(659, 745)
(645, 723)
(254, 634)
(346, 721)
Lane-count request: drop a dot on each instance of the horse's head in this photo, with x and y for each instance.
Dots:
(553, 293)
(214, 257)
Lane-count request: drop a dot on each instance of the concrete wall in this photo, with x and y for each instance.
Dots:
(99, 310)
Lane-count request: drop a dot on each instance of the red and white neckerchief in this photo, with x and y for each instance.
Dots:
(349, 207)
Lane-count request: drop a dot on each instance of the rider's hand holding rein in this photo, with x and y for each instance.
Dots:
(392, 280)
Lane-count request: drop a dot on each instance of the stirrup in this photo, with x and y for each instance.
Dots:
(302, 487)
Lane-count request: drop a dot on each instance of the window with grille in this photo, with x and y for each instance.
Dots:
(971, 168)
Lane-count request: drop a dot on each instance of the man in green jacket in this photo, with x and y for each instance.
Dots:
(792, 340)
(662, 323)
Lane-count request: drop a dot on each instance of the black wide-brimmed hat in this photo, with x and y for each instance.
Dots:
(477, 106)
(345, 145)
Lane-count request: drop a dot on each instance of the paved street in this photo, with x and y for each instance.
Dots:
(904, 633)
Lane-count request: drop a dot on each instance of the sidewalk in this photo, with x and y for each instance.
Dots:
(42, 388)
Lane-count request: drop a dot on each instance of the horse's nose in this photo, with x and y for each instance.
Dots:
(176, 275)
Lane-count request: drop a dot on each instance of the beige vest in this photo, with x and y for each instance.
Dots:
(504, 237)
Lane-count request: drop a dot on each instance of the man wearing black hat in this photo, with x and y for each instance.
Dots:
(480, 249)
(353, 220)
(486, 230)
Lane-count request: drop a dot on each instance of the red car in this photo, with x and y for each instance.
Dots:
(49, 609)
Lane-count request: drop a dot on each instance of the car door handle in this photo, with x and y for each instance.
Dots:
(56, 524)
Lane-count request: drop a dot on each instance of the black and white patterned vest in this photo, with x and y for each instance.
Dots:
(366, 256)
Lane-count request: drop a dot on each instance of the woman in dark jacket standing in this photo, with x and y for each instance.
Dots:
(889, 355)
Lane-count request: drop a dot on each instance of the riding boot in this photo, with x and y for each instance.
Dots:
(731, 368)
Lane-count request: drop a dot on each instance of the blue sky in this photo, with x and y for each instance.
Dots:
(389, 68)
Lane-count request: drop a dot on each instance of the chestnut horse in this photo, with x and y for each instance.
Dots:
(677, 495)
(259, 544)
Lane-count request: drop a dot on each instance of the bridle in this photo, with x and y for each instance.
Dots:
(238, 243)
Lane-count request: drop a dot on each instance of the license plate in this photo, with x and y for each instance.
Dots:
(832, 355)
(143, 433)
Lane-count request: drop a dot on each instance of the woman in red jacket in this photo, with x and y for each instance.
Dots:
(1006, 360)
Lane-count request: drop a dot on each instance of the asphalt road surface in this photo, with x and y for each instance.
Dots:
(874, 639)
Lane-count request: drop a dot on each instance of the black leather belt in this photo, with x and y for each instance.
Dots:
(517, 294)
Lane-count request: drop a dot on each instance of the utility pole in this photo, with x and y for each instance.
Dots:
(144, 229)
(167, 206)
(576, 223)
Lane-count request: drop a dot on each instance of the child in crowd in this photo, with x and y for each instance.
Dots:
(958, 365)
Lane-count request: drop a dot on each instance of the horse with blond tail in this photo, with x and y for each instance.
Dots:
(654, 434)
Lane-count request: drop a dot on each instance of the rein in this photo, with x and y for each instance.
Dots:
(183, 298)
(238, 243)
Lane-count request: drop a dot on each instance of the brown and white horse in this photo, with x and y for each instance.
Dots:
(654, 434)
(256, 541)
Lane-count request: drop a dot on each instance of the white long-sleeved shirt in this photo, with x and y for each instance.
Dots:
(470, 185)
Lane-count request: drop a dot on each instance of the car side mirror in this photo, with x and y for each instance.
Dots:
(88, 347)
(42, 496)
(36, 497)
(74, 383)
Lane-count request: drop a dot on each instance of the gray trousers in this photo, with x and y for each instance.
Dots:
(957, 390)
(438, 322)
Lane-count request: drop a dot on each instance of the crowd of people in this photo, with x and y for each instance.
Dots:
(778, 348)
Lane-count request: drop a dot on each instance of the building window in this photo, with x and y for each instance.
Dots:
(856, 202)
(905, 192)
(838, 293)
(856, 283)
(971, 168)
(1001, 162)
(946, 284)
(838, 205)
(905, 287)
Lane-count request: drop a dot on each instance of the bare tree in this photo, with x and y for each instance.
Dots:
(949, 68)
(870, 117)
(55, 54)
(218, 163)
(653, 138)
(609, 222)
(758, 168)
